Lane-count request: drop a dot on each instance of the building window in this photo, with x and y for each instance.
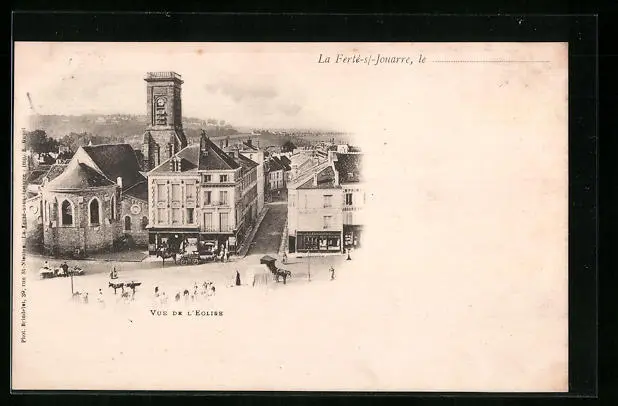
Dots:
(176, 195)
(328, 201)
(224, 221)
(161, 216)
(66, 217)
(190, 189)
(144, 222)
(208, 221)
(176, 216)
(113, 206)
(207, 178)
(348, 199)
(161, 193)
(327, 221)
(223, 197)
(127, 223)
(222, 178)
(93, 209)
(207, 197)
(190, 216)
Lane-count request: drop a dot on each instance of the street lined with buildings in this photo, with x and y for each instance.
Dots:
(224, 195)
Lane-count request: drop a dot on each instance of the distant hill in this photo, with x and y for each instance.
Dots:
(129, 128)
(116, 127)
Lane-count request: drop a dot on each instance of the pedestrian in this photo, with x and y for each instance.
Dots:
(237, 278)
(85, 298)
(65, 267)
(332, 273)
(46, 265)
(177, 297)
(100, 298)
(285, 258)
(156, 293)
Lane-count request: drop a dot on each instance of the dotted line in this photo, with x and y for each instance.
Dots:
(491, 61)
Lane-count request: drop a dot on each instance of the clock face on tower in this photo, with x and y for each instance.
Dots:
(160, 114)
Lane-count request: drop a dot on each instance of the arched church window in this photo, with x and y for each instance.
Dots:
(113, 204)
(66, 213)
(127, 223)
(94, 211)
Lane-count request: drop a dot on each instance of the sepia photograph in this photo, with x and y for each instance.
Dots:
(290, 216)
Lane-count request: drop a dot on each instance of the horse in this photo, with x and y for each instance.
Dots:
(132, 285)
(166, 253)
(116, 286)
(279, 272)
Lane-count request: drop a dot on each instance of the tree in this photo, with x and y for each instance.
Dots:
(39, 142)
(288, 146)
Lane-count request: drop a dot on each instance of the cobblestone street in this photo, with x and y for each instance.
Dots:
(268, 236)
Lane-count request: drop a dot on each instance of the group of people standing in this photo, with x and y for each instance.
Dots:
(206, 290)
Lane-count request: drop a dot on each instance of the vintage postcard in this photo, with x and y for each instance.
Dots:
(290, 217)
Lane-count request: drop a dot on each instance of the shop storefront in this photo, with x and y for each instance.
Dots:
(176, 240)
(352, 236)
(318, 241)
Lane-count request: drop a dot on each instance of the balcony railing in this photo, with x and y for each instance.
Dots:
(216, 203)
(163, 75)
(227, 229)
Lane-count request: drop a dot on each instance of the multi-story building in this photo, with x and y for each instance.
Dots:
(315, 211)
(202, 194)
(349, 167)
(325, 205)
(251, 151)
(276, 174)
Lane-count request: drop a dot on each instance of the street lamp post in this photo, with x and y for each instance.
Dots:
(309, 264)
(72, 291)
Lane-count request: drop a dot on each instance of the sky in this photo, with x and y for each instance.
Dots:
(248, 86)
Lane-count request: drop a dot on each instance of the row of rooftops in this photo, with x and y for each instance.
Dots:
(339, 169)
(110, 164)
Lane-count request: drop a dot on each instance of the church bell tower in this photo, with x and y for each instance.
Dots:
(164, 133)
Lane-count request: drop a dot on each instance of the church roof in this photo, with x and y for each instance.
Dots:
(78, 177)
(138, 191)
(116, 160)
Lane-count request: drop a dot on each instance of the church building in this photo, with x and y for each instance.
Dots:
(100, 196)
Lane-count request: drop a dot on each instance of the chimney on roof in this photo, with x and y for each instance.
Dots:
(203, 138)
(315, 179)
(249, 142)
(119, 181)
(227, 141)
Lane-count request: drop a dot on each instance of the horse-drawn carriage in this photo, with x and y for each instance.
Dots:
(277, 272)
(60, 271)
